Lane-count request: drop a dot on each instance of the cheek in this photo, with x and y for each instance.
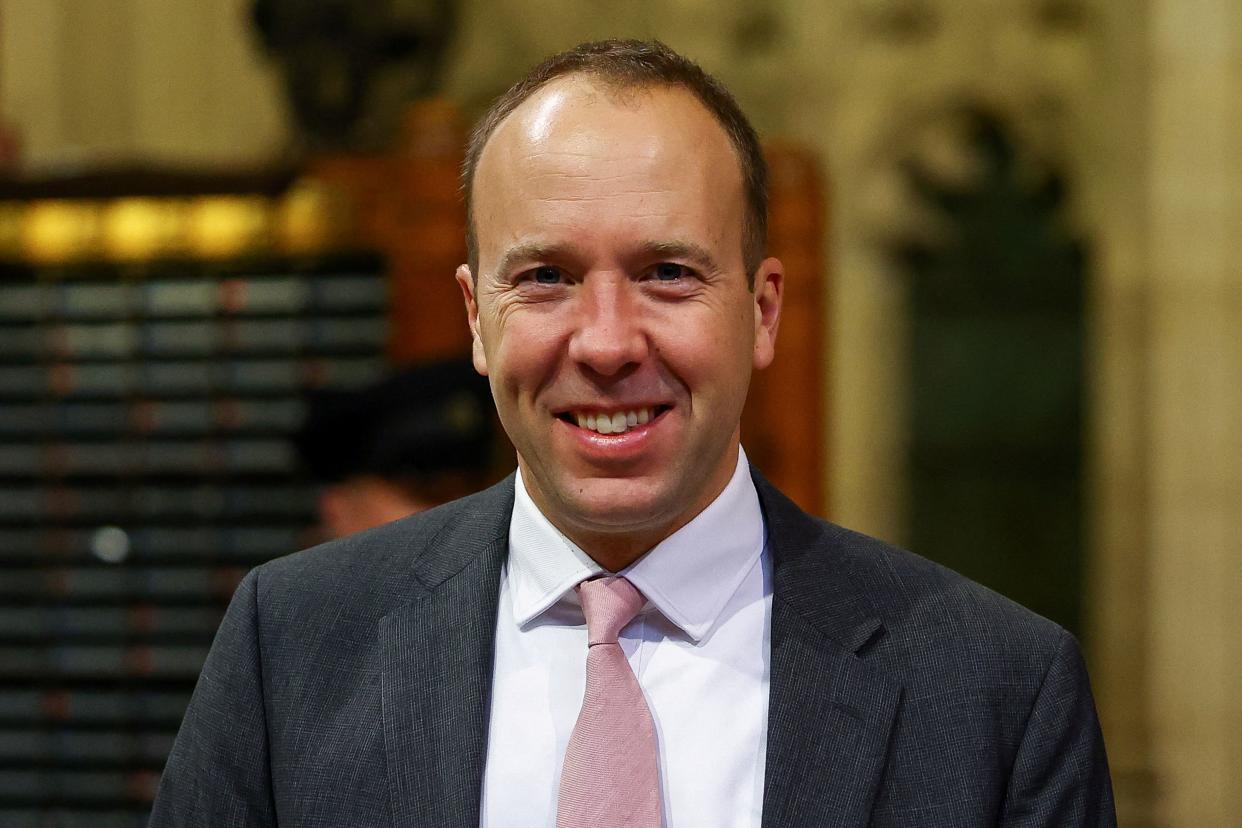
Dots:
(724, 328)
(728, 352)
(704, 352)
(523, 357)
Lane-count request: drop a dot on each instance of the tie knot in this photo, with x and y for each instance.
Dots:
(609, 604)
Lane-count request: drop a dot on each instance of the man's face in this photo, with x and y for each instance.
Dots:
(611, 289)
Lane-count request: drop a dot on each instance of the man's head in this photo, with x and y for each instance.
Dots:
(611, 279)
(416, 439)
(621, 67)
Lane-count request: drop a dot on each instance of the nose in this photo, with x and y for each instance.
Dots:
(609, 334)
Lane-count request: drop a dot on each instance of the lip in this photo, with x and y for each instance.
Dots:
(613, 447)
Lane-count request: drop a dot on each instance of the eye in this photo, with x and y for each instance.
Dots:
(670, 272)
(546, 275)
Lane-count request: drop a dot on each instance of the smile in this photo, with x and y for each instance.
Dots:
(616, 422)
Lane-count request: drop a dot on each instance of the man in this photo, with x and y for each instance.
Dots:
(750, 665)
(416, 439)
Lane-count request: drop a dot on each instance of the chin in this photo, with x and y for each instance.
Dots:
(617, 506)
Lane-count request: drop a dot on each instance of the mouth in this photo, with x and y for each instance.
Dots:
(616, 421)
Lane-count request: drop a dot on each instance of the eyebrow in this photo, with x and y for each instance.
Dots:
(541, 252)
(534, 252)
(687, 251)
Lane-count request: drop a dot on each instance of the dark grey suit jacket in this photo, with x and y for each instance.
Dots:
(348, 686)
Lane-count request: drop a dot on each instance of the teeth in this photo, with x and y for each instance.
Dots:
(617, 423)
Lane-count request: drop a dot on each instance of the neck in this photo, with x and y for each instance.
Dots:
(615, 552)
(615, 548)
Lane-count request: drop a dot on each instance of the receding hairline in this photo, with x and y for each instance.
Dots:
(626, 95)
(621, 91)
(621, 68)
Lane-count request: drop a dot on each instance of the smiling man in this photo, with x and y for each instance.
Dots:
(616, 304)
(635, 629)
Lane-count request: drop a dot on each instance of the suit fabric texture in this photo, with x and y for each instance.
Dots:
(348, 685)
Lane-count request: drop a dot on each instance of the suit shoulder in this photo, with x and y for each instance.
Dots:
(912, 595)
(939, 627)
(922, 586)
(936, 615)
(379, 568)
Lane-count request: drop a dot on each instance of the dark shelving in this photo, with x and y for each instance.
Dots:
(145, 467)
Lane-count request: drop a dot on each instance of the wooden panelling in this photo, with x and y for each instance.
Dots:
(783, 425)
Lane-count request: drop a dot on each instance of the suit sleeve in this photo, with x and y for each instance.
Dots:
(1060, 773)
(218, 773)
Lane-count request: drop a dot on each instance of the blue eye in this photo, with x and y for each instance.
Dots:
(669, 272)
(547, 275)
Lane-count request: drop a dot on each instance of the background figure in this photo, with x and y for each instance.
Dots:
(417, 439)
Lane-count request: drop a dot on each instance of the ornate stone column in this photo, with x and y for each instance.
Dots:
(1194, 381)
(1118, 607)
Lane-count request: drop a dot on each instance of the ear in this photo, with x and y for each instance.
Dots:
(466, 280)
(768, 293)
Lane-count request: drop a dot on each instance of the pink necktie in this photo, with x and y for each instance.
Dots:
(611, 777)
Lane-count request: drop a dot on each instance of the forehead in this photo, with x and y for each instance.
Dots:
(576, 145)
(568, 104)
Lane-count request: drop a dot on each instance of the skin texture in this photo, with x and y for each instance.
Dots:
(611, 277)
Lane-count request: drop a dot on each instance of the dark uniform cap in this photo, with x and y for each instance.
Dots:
(429, 419)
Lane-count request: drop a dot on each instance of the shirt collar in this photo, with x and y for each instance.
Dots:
(688, 576)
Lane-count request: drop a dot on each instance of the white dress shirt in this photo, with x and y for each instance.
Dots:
(699, 649)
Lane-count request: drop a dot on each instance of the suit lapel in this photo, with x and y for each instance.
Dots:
(437, 670)
(830, 711)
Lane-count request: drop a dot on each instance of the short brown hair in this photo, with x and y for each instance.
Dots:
(630, 64)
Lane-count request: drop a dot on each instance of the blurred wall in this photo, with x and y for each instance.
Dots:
(1188, 280)
(1135, 100)
(91, 81)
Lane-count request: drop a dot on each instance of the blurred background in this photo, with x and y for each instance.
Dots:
(1012, 338)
